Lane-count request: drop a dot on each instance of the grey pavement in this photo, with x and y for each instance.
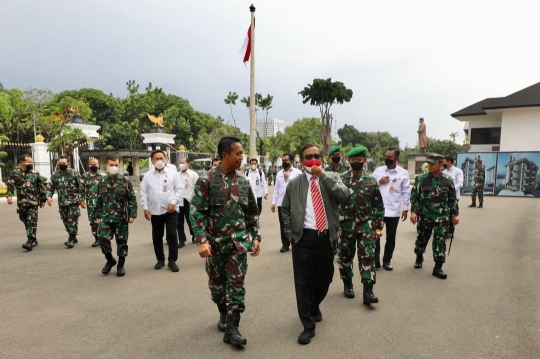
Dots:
(54, 302)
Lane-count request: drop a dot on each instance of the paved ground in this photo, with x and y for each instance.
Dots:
(54, 302)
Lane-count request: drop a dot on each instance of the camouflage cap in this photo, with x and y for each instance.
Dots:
(334, 150)
(434, 158)
(358, 151)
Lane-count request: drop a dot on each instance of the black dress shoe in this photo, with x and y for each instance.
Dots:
(172, 265)
(181, 244)
(159, 265)
(317, 317)
(377, 264)
(305, 336)
(387, 266)
(284, 249)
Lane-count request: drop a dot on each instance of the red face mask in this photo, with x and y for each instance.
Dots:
(311, 163)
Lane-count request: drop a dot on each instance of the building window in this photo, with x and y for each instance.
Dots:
(485, 136)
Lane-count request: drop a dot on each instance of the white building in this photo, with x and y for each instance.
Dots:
(270, 127)
(506, 124)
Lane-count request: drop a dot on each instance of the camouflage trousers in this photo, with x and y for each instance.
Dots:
(478, 191)
(226, 271)
(440, 233)
(106, 232)
(29, 216)
(70, 216)
(364, 242)
(92, 218)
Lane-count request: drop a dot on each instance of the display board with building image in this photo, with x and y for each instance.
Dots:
(507, 173)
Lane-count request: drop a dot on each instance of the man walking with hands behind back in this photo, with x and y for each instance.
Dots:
(188, 179)
(161, 193)
(90, 182)
(311, 221)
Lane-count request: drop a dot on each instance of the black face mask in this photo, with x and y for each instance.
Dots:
(388, 162)
(357, 166)
(445, 166)
(62, 167)
(29, 166)
(336, 159)
(93, 168)
(286, 165)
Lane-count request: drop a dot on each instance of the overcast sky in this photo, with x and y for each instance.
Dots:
(402, 59)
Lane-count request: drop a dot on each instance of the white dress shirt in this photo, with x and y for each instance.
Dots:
(258, 182)
(309, 219)
(457, 178)
(281, 183)
(396, 191)
(188, 179)
(159, 190)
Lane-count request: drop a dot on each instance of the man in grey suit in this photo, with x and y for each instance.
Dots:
(311, 223)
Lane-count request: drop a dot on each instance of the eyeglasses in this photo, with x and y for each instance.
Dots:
(312, 156)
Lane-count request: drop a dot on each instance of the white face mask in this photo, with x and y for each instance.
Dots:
(253, 167)
(183, 167)
(308, 169)
(159, 165)
(112, 170)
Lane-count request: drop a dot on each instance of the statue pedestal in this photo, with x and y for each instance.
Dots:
(42, 161)
(415, 162)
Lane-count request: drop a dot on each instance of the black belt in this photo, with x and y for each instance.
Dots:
(315, 232)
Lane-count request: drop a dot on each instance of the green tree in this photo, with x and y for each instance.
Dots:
(324, 94)
(300, 133)
(349, 135)
(67, 140)
(444, 147)
(3, 154)
(231, 101)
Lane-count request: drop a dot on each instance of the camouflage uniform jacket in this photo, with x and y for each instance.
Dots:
(116, 200)
(434, 198)
(30, 187)
(90, 181)
(480, 176)
(341, 168)
(224, 207)
(68, 186)
(365, 202)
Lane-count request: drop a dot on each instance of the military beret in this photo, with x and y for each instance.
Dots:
(334, 150)
(434, 158)
(358, 151)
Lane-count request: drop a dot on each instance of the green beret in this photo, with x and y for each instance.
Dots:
(358, 151)
(334, 150)
(434, 158)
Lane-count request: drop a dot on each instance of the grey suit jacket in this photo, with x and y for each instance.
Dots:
(293, 208)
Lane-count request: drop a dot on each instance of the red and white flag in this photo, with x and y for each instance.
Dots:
(245, 50)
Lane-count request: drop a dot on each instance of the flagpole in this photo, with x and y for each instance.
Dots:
(252, 112)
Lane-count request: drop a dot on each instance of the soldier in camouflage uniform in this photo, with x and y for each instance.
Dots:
(434, 209)
(90, 181)
(336, 158)
(479, 181)
(31, 194)
(361, 223)
(69, 188)
(116, 206)
(225, 222)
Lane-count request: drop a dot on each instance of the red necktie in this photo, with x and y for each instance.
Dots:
(318, 206)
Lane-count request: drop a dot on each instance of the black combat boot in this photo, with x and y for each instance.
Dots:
(75, 240)
(120, 271)
(232, 335)
(71, 241)
(369, 297)
(438, 272)
(419, 261)
(28, 245)
(34, 242)
(111, 262)
(481, 205)
(96, 242)
(377, 262)
(348, 290)
(472, 204)
(222, 324)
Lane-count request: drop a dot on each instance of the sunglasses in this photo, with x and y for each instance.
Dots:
(312, 156)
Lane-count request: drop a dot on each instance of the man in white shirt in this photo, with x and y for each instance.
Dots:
(395, 187)
(283, 178)
(161, 193)
(457, 178)
(188, 179)
(258, 182)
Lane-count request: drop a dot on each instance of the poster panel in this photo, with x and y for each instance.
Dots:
(467, 163)
(517, 174)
